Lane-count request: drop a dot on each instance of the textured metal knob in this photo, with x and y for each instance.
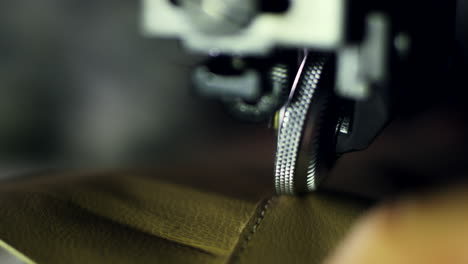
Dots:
(299, 131)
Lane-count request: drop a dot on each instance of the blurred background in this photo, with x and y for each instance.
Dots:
(81, 87)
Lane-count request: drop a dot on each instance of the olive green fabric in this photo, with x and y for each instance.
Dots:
(298, 229)
(134, 219)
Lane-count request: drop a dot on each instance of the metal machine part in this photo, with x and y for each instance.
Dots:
(307, 124)
(252, 89)
(245, 86)
(379, 55)
(291, 132)
(267, 104)
(364, 65)
(220, 17)
(306, 23)
(243, 27)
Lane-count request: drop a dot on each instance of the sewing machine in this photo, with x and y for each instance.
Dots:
(327, 75)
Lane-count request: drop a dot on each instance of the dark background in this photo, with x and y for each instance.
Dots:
(81, 87)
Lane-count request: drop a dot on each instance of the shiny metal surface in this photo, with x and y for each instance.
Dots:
(295, 168)
(269, 102)
(220, 17)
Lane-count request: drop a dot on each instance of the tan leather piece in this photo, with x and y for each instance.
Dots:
(129, 218)
(298, 229)
(180, 214)
(51, 231)
(123, 219)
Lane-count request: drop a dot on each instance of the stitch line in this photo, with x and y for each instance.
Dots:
(236, 257)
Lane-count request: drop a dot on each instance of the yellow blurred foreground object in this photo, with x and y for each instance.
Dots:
(9, 255)
(428, 228)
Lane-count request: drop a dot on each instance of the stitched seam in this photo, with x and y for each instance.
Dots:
(245, 242)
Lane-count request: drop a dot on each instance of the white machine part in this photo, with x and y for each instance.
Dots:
(313, 24)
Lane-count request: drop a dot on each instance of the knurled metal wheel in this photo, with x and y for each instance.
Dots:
(301, 124)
